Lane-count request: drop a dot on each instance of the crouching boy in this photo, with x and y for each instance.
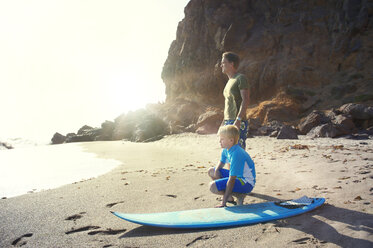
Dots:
(239, 180)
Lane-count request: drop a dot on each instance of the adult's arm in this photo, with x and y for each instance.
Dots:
(245, 95)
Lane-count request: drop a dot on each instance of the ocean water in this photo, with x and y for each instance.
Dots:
(21, 142)
(33, 168)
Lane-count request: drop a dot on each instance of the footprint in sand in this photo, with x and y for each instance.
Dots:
(82, 229)
(113, 204)
(108, 231)
(20, 241)
(362, 172)
(308, 240)
(199, 197)
(74, 217)
(268, 231)
(172, 196)
(344, 178)
(316, 187)
(202, 238)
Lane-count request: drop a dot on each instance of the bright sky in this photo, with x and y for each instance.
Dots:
(67, 63)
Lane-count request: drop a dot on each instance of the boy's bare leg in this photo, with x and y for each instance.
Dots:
(240, 198)
(215, 190)
(211, 173)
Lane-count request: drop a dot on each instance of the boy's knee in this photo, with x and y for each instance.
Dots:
(211, 172)
(213, 188)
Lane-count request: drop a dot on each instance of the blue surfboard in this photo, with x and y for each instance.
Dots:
(225, 217)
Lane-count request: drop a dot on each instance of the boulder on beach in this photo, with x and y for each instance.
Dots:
(151, 128)
(287, 132)
(141, 125)
(348, 120)
(85, 133)
(357, 111)
(314, 119)
(323, 131)
(107, 129)
(209, 122)
(58, 139)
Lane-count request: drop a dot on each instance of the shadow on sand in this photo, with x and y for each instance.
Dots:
(306, 223)
(309, 224)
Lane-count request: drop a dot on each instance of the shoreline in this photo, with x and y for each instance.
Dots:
(170, 175)
(40, 168)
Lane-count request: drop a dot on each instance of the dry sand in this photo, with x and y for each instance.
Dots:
(170, 175)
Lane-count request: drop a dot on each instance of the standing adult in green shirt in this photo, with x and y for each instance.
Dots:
(236, 94)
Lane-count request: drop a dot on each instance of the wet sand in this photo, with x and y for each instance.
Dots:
(170, 175)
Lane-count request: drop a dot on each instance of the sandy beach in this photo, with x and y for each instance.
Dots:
(170, 175)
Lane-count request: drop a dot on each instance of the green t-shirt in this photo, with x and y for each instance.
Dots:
(232, 95)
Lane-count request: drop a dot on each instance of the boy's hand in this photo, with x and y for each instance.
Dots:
(222, 205)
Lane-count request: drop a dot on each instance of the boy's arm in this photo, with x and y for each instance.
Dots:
(228, 190)
(217, 169)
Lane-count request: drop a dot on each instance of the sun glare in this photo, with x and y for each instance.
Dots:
(81, 61)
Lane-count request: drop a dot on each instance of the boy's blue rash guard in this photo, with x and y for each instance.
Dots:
(241, 164)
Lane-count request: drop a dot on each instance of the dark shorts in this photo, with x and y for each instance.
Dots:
(239, 186)
(243, 131)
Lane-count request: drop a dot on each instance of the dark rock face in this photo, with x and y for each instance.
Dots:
(318, 53)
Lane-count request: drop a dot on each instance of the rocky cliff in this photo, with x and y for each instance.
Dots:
(305, 60)
(299, 55)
